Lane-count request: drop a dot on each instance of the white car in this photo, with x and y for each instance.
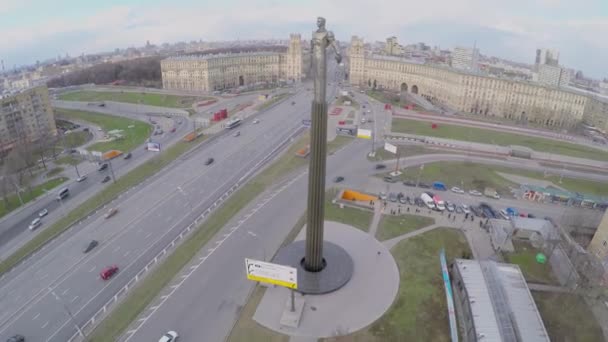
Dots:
(43, 213)
(170, 336)
(363, 120)
(81, 178)
(256, 121)
(457, 190)
(466, 209)
(475, 193)
(383, 195)
(35, 224)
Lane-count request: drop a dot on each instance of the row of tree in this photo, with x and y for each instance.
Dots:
(141, 72)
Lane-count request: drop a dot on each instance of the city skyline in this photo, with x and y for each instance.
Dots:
(512, 32)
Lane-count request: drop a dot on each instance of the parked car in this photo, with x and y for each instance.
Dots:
(531, 216)
(382, 195)
(170, 336)
(111, 213)
(209, 161)
(402, 200)
(108, 272)
(43, 213)
(293, 103)
(338, 179)
(439, 186)
(419, 202)
(392, 197)
(102, 167)
(90, 246)
(105, 179)
(173, 130)
(457, 190)
(81, 178)
(459, 210)
(475, 193)
(35, 223)
(390, 179)
(128, 155)
(503, 213)
(450, 206)
(380, 166)
(409, 182)
(466, 209)
(16, 338)
(477, 211)
(424, 185)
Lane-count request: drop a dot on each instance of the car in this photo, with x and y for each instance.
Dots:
(382, 195)
(170, 336)
(424, 185)
(179, 122)
(293, 103)
(419, 202)
(392, 197)
(108, 272)
(236, 134)
(16, 338)
(209, 161)
(153, 122)
(90, 246)
(99, 129)
(380, 166)
(466, 209)
(390, 179)
(338, 179)
(459, 210)
(504, 214)
(128, 155)
(105, 179)
(531, 216)
(81, 178)
(450, 206)
(102, 167)
(43, 213)
(457, 190)
(475, 193)
(409, 183)
(363, 120)
(160, 131)
(111, 213)
(402, 200)
(256, 121)
(477, 211)
(35, 223)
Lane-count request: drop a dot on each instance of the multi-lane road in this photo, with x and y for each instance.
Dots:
(149, 217)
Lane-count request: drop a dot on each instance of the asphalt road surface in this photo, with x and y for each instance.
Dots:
(149, 217)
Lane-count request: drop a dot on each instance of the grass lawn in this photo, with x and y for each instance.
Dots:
(54, 172)
(68, 160)
(271, 101)
(337, 143)
(341, 99)
(567, 317)
(571, 184)
(76, 139)
(161, 100)
(132, 138)
(419, 312)
(495, 137)
(392, 226)
(14, 203)
(404, 151)
(525, 257)
(358, 218)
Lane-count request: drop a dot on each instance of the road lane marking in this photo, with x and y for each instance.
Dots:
(127, 253)
(116, 249)
(45, 325)
(65, 291)
(92, 269)
(74, 299)
(35, 317)
(147, 235)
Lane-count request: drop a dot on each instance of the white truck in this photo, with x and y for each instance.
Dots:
(428, 200)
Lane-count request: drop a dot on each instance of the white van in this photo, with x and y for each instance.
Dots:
(504, 214)
(35, 223)
(63, 193)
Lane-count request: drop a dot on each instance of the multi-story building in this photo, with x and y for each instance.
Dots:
(546, 56)
(392, 47)
(474, 93)
(26, 116)
(229, 70)
(465, 58)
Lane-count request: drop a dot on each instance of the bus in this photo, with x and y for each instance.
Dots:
(63, 193)
(346, 130)
(232, 123)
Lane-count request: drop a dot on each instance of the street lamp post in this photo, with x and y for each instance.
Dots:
(67, 310)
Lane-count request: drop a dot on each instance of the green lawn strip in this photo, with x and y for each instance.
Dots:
(358, 218)
(68, 160)
(152, 99)
(525, 257)
(404, 152)
(419, 313)
(271, 101)
(567, 317)
(572, 184)
(488, 136)
(337, 143)
(53, 172)
(76, 139)
(392, 226)
(13, 202)
(132, 137)
(341, 99)
(110, 192)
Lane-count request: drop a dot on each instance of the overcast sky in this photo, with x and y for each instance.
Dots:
(512, 29)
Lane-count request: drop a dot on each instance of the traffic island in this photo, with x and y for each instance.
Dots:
(368, 294)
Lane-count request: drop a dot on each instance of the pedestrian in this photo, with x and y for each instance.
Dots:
(399, 210)
(408, 209)
(466, 216)
(371, 202)
(449, 216)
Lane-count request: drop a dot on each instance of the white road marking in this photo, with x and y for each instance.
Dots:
(127, 253)
(37, 315)
(92, 269)
(251, 233)
(74, 299)
(65, 291)
(45, 324)
(147, 235)
(116, 249)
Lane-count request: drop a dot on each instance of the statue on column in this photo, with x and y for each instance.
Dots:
(321, 40)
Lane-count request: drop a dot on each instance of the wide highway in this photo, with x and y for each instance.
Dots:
(37, 294)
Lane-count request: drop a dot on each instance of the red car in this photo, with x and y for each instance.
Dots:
(108, 272)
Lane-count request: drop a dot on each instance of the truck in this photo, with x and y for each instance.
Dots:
(439, 186)
(439, 203)
(428, 200)
(491, 192)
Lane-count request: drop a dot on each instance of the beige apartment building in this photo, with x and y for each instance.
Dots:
(477, 94)
(223, 71)
(26, 116)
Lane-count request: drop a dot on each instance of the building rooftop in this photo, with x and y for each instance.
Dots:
(501, 303)
(225, 54)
